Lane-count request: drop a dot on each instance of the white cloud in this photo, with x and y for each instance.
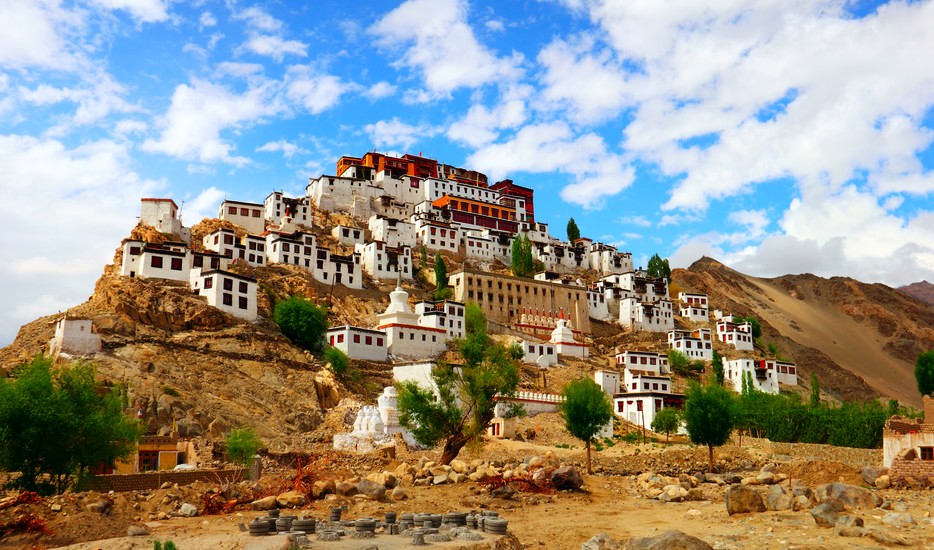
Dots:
(233, 68)
(481, 124)
(639, 221)
(207, 19)
(82, 201)
(380, 90)
(287, 149)
(257, 18)
(37, 33)
(395, 133)
(495, 25)
(437, 41)
(314, 91)
(130, 126)
(204, 205)
(97, 97)
(143, 11)
(274, 46)
(755, 221)
(191, 128)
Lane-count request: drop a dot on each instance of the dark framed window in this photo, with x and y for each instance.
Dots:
(176, 264)
(228, 284)
(156, 262)
(228, 299)
(243, 302)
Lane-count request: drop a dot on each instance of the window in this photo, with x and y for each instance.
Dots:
(232, 210)
(356, 338)
(228, 239)
(243, 287)
(199, 261)
(228, 284)
(379, 342)
(176, 264)
(255, 213)
(243, 302)
(228, 299)
(368, 340)
(208, 282)
(134, 251)
(156, 262)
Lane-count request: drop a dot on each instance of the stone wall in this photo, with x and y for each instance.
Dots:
(154, 480)
(921, 470)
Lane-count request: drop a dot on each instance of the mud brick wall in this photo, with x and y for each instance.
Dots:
(920, 470)
(153, 480)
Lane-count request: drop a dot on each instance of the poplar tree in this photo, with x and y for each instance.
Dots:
(574, 232)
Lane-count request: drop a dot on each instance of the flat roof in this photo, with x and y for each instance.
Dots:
(149, 199)
(229, 274)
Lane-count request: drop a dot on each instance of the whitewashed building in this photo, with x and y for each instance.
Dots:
(162, 214)
(359, 343)
(695, 344)
(645, 394)
(281, 209)
(643, 361)
(542, 354)
(606, 258)
(565, 344)
(74, 336)
(446, 314)
(437, 236)
(648, 316)
(347, 235)
(394, 232)
(737, 335)
(763, 378)
(166, 261)
(694, 307)
(296, 249)
(230, 292)
(608, 380)
(405, 336)
(385, 262)
(248, 215)
(597, 304)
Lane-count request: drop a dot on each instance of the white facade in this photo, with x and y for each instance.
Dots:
(608, 380)
(437, 236)
(301, 249)
(696, 344)
(647, 316)
(347, 235)
(565, 344)
(161, 263)
(763, 378)
(230, 292)
(605, 258)
(74, 337)
(648, 361)
(694, 307)
(405, 336)
(248, 215)
(278, 209)
(384, 262)
(642, 381)
(445, 314)
(394, 232)
(694, 313)
(597, 304)
(359, 343)
(163, 215)
(255, 249)
(739, 336)
(639, 408)
(542, 354)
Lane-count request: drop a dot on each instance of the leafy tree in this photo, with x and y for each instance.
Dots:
(815, 391)
(441, 273)
(717, 366)
(586, 411)
(708, 415)
(659, 267)
(302, 322)
(666, 421)
(892, 409)
(338, 360)
(924, 373)
(242, 445)
(574, 232)
(60, 422)
(754, 323)
(521, 255)
(461, 407)
(681, 365)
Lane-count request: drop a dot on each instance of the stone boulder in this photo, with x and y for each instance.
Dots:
(399, 493)
(188, 510)
(827, 513)
(743, 499)
(137, 531)
(262, 504)
(371, 489)
(778, 499)
(898, 519)
(601, 541)
(459, 466)
(291, 499)
(346, 489)
(322, 488)
(669, 540)
(673, 493)
(849, 496)
(567, 478)
(871, 473)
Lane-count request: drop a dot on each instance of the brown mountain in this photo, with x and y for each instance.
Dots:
(923, 291)
(860, 339)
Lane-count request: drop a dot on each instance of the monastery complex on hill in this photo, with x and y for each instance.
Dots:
(399, 206)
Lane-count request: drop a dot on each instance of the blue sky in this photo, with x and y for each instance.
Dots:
(779, 136)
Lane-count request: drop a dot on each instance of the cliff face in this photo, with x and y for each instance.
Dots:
(861, 339)
(923, 291)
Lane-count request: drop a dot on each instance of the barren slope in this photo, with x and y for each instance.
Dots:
(861, 339)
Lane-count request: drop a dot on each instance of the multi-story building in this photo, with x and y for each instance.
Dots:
(647, 316)
(648, 361)
(738, 335)
(248, 215)
(695, 344)
(385, 262)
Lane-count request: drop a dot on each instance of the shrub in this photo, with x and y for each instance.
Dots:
(242, 444)
(302, 322)
(338, 360)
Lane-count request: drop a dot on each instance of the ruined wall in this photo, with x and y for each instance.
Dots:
(153, 480)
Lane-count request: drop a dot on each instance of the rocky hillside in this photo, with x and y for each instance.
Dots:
(861, 339)
(923, 291)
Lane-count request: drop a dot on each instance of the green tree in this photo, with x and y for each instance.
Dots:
(242, 445)
(666, 421)
(753, 323)
(574, 232)
(461, 407)
(586, 410)
(708, 416)
(302, 322)
(681, 365)
(659, 267)
(924, 373)
(717, 366)
(441, 273)
(60, 422)
(815, 391)
(521, 256)
(338, 360)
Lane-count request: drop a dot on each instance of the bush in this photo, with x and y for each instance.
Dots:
(242, 445)
(666, 421)
(682, 366)
(168, 390)
(302, 322)
(338, 360)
